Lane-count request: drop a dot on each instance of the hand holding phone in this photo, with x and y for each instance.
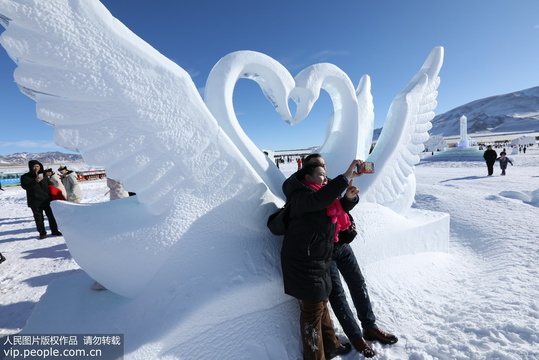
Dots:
(368, 167)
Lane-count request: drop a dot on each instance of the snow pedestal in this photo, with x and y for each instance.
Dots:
(467, 152)
(179, 316)
(382, 233)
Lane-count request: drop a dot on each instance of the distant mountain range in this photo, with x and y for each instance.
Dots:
(514, 112)
(53, 157)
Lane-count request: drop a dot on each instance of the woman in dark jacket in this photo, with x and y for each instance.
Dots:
(317, 214)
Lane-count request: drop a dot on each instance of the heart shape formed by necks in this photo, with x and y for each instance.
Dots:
(342, 141)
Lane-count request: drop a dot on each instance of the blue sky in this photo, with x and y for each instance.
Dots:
(491, 48)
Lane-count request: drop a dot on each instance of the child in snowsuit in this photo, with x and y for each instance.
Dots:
(503, 162)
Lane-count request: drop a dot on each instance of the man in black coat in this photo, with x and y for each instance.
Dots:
(39, 198)
(490, 157)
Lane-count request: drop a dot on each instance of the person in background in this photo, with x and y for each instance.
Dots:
(345, 263)
(69, 179)
(56, 194)
(490, 157)
(54, 180)
(317, 214)
(117, 190)
(503, 159)
(39, 198)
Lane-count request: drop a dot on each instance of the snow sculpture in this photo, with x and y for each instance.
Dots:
(435, 143)
(276, 84)
(463, 132)
(465, 148)
(204, 191)
(401, 141)
(350, 130)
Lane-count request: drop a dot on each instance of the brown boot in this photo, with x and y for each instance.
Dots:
(363, 348)
(380, 336)
(343, 349)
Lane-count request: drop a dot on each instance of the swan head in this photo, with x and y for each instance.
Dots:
(305, 98)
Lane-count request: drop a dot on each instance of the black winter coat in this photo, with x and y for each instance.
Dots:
(308, 243)
(490, 156)
(38, 194)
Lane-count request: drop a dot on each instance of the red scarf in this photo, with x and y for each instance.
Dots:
(338, 216)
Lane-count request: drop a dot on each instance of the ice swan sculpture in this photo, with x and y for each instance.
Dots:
(184, 245)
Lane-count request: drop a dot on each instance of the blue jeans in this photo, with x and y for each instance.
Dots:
(344, 261)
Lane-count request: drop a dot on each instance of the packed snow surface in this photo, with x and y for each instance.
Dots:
(193, 273)
(476, 301)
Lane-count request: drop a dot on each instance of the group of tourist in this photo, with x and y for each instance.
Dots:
(43, 186)
(314, 253)
(313, 258)
(491, 157)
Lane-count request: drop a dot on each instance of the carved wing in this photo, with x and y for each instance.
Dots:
(366, 115)
(401, 141)
(111, 96)
(128, 108)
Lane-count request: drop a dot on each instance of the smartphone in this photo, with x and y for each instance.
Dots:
(40, 176)
(368, 167)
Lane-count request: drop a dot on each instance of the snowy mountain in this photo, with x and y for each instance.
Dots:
(517, 111)
(52, 157)
(513, 112)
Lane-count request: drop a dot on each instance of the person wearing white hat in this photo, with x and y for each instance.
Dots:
(71, 184)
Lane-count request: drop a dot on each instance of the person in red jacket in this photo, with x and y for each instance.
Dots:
(56, 193)
(56, 181)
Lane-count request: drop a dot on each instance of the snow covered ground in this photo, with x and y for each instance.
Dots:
(479, 301)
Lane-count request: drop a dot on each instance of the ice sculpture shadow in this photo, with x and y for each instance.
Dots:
(28, 228)
(15, 232)
(11, 221)
(44, 280)
(16, 322)
(463, 178)
(59, 251)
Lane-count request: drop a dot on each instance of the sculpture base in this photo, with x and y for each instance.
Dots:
(382, 233)
(249, 318)
(462, 148)
(467, 153)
